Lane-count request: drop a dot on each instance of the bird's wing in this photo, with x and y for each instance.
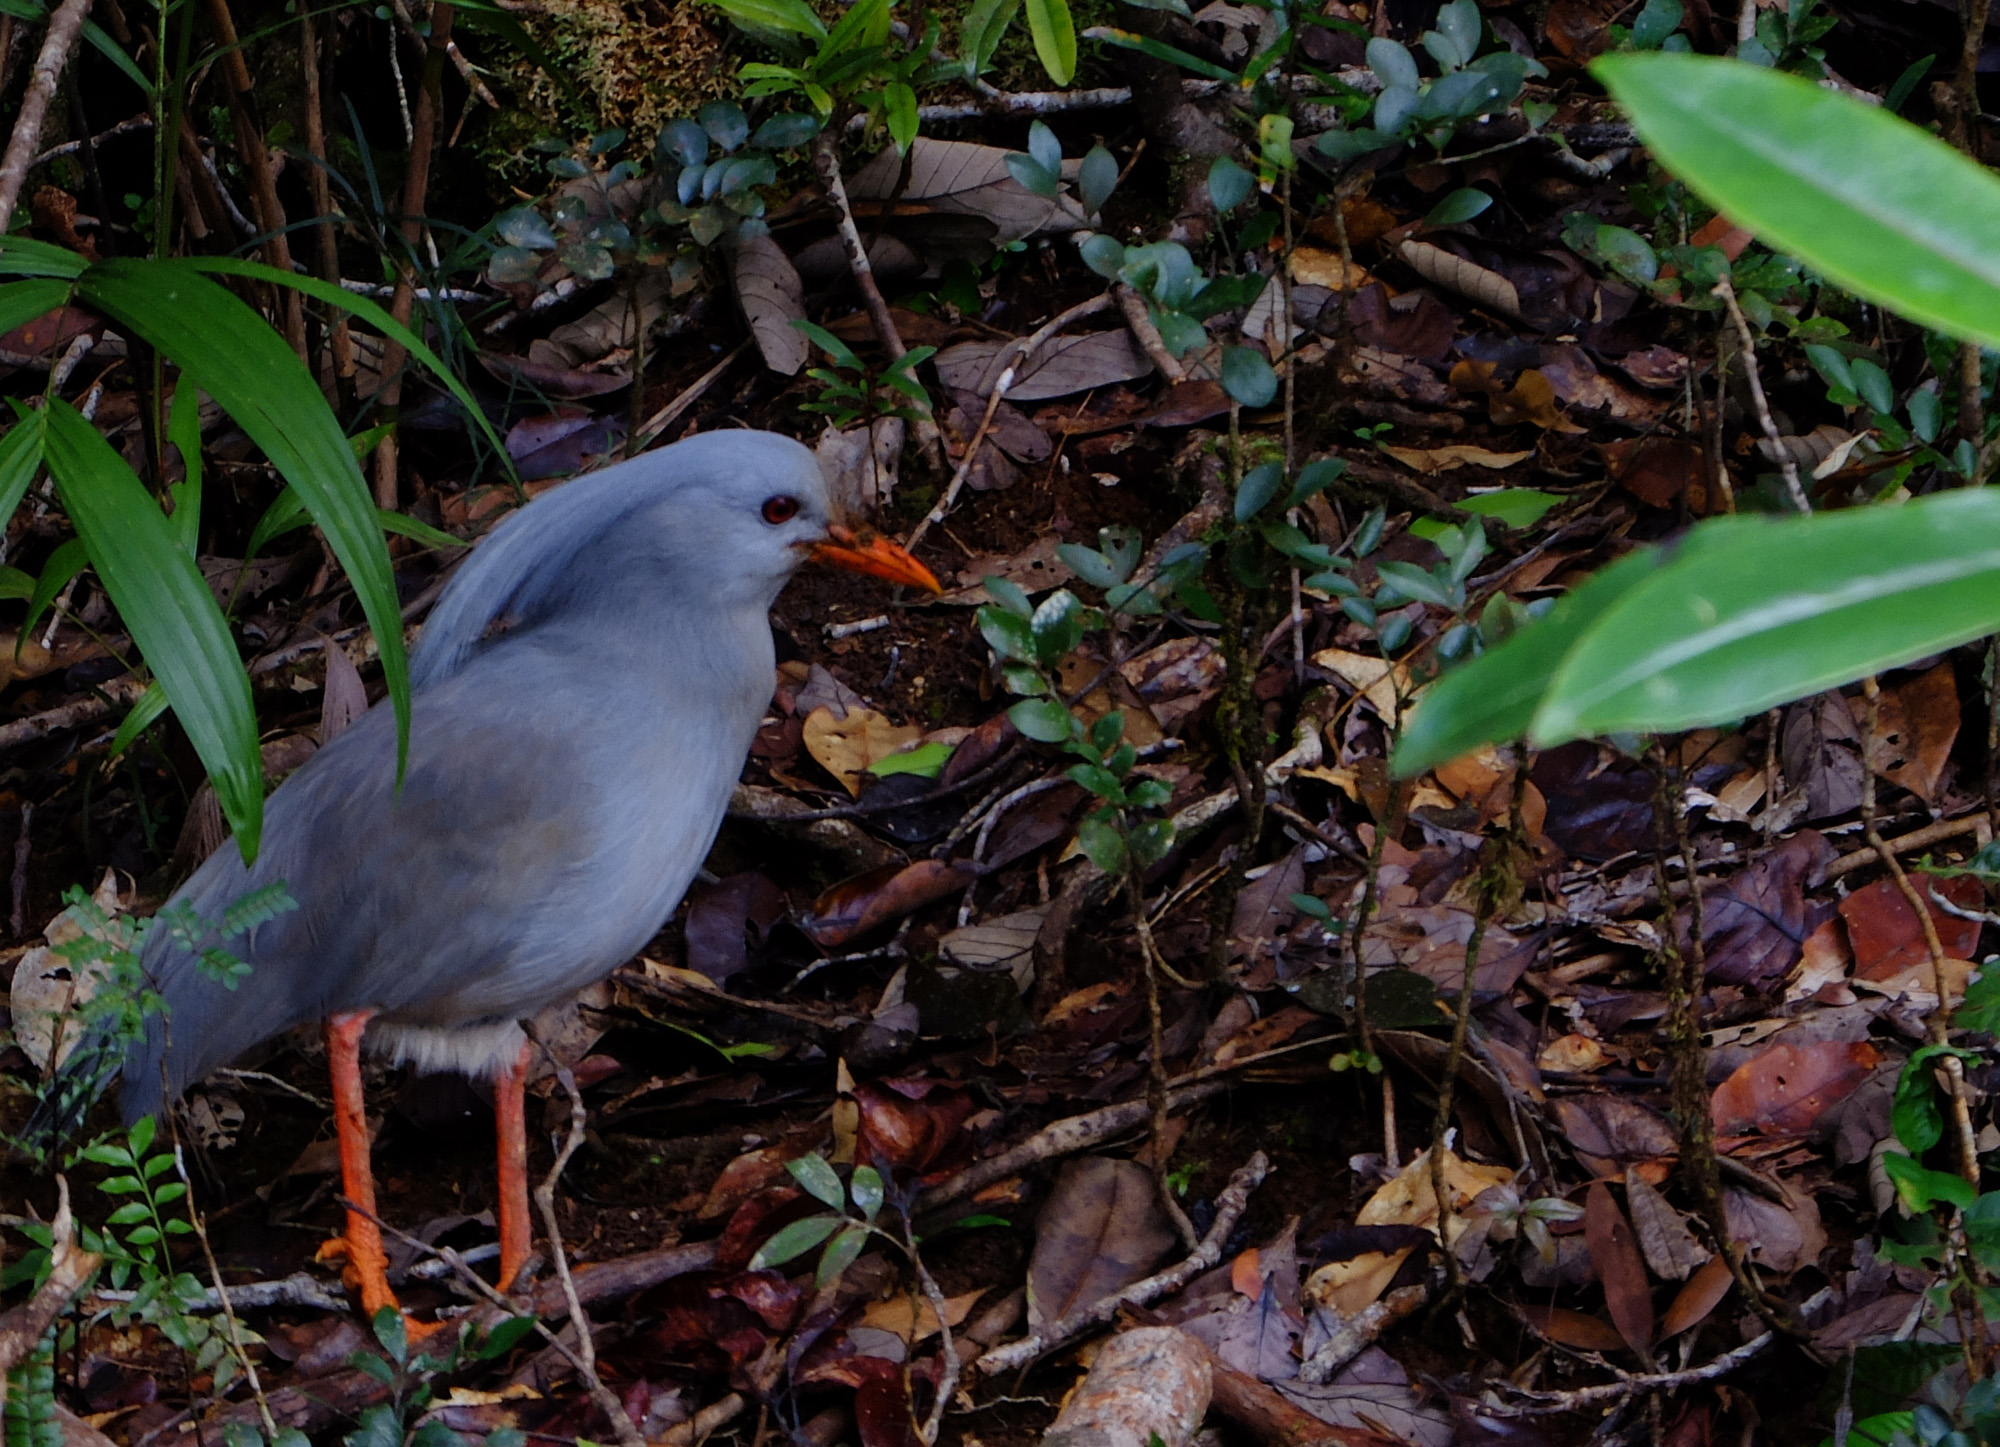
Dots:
(546, 826)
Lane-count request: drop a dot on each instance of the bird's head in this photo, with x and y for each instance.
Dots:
(760, 501)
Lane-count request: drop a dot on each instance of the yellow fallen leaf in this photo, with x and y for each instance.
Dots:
(1350, 1286)
(1313, 267)
(471, 1397)
(1408, 1200)
(845, 747)
(1369, 676)
(895, 1316)
(1433, 460)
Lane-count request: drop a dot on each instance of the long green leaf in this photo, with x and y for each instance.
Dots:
(20, 256)
(167, 607)
(152, 703)
(20, 458)
(1752, 612)
(1160, 50)
(1493, 698)
(788, 15)
(1881, 207)
(362, 309)
(70, 558)
(22, 301)
(228, 351)
(1054, 34)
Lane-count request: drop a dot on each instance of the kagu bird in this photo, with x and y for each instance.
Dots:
(583, 698)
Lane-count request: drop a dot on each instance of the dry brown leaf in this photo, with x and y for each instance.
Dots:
(772, 297)
(1065, 365)
(1103, 1228)
(1573, 1328)
(1615, 1254)
(1487, 288)
(1408, 1199)
(1351, 1286)
(845, 747)
(1574, 1054)
(1704, 1292)
(1433, 460)
(1532, 398)
(1918, 726)
(1670, 1249)
(963, 178)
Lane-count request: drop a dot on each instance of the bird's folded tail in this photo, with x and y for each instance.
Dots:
(70, 1091)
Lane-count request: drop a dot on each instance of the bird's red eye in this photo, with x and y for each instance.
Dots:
(780, 509)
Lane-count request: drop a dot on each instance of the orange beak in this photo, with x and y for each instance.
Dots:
(869, 552)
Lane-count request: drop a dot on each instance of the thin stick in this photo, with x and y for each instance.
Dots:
(668, 415)
(222, 1298)
(1229, 1206)
(586, 1348)
(64, 27)
(341, 335)
(1147, 334)
(826, 162)
(1786, 465)
(1939, 1021)
(1023, 351)
(236, 88)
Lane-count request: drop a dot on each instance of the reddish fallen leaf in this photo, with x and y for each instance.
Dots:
(1572, 1328)
(1102, 1229)
(911, 1128)
(867, 901)
(1614, 1251)
(1918, 724)
(1886, 934)
(1703, 1292)
(1783, 1090)
(1657, 470)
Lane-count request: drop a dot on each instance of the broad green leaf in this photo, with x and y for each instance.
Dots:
(20, 459)
(926, 761)
(1749, 612)
(1247, 377)
(840, 1254)
(1461, 205)
(899, 107)
(1494, 697)
(795, 1240)
(1044, 720)
(15, 584)
(1882, 208)
(1054, 34)
(166, 605)
(866, 1188)
(984, 26)
(819, 1179)
(19, 256)
(152, 703)
(1518, 507)
(793, 16)
(1229, 185)
(227, 350)
(22, 301)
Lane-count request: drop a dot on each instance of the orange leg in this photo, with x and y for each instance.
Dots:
(366, 1262)
(510, 1116)
(350, 1124)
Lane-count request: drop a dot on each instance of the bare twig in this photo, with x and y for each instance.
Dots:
(1786, 465)
(1229, 1206)
(256, 156)
(826, 164)
(221, 1294)
(668, 415)
(585, 1360)
(1022, 352)
(1939, 1021)
(64, 27)
(1543, 1404)
(1147, 334)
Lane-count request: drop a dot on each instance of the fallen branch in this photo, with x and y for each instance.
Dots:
(1229, 1206)
(585, 1357)
(1147, 334)
(1273, 1421)
(1548, 1404)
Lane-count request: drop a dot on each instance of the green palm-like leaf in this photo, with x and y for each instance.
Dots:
(22, 301)
(166, 605)
(227, 350)
(1881, 207)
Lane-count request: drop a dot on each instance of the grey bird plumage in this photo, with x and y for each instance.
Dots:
(583, 697)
